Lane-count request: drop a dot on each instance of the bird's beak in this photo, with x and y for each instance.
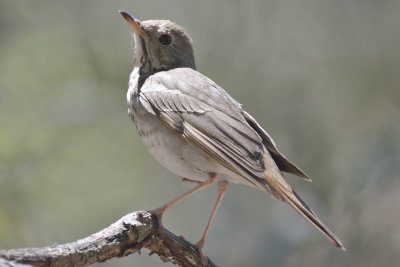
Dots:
(134, 22)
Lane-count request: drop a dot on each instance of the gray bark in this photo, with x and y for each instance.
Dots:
(126, 236)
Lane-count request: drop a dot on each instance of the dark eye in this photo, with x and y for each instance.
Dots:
(165, 39)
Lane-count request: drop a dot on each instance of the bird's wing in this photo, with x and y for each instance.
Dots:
(281, 161)
(207, 117)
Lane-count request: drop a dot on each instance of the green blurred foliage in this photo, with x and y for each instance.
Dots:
(321, 76)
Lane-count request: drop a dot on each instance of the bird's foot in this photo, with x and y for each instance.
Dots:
(158, 213)
(200, 245)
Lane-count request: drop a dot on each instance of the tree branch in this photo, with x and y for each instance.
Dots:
(126, 236)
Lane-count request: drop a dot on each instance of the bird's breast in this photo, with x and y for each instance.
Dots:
(169, 148)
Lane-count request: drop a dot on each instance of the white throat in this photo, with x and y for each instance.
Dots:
(133, 85)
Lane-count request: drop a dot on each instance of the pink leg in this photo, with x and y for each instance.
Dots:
(222, 188)
(159, 211)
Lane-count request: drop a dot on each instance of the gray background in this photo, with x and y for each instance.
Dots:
(321, 76)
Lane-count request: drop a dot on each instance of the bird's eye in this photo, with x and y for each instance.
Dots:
(165, 39)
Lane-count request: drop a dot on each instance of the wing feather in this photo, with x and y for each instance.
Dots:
(217, 151)
(281, 161)
(212, 122)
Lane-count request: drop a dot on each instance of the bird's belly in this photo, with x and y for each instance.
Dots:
(172, 151)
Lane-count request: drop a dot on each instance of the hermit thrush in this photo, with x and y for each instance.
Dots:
(195, 129)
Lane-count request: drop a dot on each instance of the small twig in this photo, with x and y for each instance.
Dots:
(128, 235)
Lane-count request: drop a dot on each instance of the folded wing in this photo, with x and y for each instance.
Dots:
(281, 161)
(206, 116)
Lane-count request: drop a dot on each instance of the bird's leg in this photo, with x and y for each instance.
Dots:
(158, 212)
(222, 188)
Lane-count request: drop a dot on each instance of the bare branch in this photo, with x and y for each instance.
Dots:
(128, 235)
(7, 263)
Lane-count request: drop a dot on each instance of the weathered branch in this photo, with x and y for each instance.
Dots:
(128, 235)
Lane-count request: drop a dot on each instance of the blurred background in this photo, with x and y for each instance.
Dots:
(321, 76)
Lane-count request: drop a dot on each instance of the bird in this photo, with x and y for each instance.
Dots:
(196, 130)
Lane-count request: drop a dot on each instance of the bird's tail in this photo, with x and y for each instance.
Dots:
(283, 191)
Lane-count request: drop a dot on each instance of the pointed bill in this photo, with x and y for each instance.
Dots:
(134, 22)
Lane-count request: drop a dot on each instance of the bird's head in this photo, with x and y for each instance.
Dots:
(160, 45)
